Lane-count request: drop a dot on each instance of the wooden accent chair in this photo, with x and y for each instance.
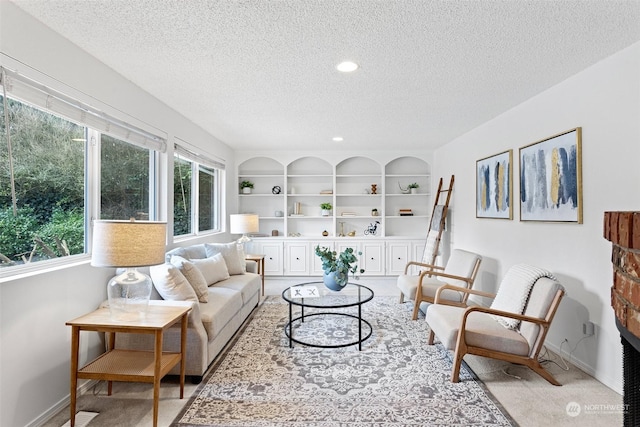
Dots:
(460, 271)
(497, 331)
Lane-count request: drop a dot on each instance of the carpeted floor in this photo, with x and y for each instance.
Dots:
(394, 381)
(529, 399)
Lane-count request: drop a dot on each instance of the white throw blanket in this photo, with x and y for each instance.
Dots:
(514, 291)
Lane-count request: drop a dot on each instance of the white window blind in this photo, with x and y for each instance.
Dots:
(50, 100)
(184, 153)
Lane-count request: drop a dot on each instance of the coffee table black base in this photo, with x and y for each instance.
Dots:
(359, 341)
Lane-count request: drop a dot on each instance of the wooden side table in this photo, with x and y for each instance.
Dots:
(127, 365)
(259, 259)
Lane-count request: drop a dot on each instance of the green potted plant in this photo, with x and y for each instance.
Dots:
(246, 187)
(326, 208)
(337, 267)
(413, 187)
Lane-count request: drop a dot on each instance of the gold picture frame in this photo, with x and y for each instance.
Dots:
(551, 179)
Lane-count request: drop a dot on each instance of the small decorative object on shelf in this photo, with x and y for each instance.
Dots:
(374, 188)
(372, 229)
(374, 212)
(408, 189)
(246, 187)
(326, 209)
(337, 267)
(325, 233)
(413, 187)
(276, 189)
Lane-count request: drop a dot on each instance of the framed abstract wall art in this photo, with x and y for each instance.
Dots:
(551, 179)
(494, 186)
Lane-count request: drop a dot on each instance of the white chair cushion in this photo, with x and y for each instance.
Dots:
(461, 263)
(409, 284)
(482, 330)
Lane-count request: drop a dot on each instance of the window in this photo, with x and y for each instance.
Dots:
(41, 185)
(124, 180)
(196, 189)
(207, 209)
(182, 196)
(51, 149)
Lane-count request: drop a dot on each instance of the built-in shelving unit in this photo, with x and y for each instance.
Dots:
(386, 238)
(293, 209)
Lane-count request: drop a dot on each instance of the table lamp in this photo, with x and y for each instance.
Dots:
(128, 244)
(243, 224)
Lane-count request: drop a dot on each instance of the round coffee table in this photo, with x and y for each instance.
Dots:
(315, 295)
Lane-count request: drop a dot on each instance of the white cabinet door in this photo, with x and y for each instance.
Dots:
(398, 255)
(272, 252)
(372, 259)
(297, 258)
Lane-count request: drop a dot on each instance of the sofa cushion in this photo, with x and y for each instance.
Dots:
(193, 275)
(214, 268)
(171, 283)
(247, 284)
(233, 254)
(187, 252)
(223, 305)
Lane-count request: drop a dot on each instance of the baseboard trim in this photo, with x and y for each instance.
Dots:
(609, 382)
(61, 404)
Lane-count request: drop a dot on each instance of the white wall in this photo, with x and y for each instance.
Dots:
(35, 349)
(605, 101)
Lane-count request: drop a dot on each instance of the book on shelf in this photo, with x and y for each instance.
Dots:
(348, 214)
(405, 212)
(326, 192)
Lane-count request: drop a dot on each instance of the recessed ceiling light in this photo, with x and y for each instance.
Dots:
(347, 66)
(338, 138)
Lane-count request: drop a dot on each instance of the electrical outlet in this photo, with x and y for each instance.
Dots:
(588, 328)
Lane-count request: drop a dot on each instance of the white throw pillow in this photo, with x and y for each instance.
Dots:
(194, 276)
(213, 269)
(233, 254)
(171, 283)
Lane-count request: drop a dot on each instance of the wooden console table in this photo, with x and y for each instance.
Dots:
(128, 365)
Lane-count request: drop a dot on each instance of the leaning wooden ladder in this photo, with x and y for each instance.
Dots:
(436, 223)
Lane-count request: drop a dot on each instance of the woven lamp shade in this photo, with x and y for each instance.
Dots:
(128, 243)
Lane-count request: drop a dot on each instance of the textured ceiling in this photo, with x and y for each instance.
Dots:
(260, 74)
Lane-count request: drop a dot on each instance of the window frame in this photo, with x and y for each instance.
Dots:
(92, 165)
(196, 162)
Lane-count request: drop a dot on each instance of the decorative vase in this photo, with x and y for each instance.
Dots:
(414, 191)
(326, 212)
(331, 281)
(246, 190)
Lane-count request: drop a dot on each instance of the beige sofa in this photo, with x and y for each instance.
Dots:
(229, 301)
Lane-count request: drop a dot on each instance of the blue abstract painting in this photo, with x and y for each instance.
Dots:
(550, 179)
(493, 186)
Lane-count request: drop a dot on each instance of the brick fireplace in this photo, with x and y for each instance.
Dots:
(622, 229)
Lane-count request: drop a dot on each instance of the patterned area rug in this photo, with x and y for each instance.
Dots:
(396, 380)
